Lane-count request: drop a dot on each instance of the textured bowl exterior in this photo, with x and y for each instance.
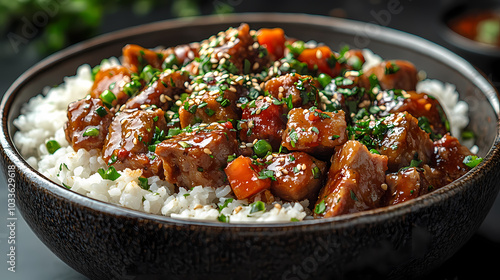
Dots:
(104, 241)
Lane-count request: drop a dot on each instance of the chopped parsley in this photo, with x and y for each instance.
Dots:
(472, 161)
(110, 174)
(143, 183)
(320, 207)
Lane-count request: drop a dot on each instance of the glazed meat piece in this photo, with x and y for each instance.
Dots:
(298, 176)
(322, 59)
(344, 93)
(405, 141)
(314, 131)
(87, 125)
(262, 119)
(356, 181)
(234, 50)
(180, 55)
(161, 92)
(109, 85)
(131, 139)
(300, 91)
(406, 184)
(136, 57)
(199, 157)
(213, 100)
(393, 74)
(448, 161)
(431, 116)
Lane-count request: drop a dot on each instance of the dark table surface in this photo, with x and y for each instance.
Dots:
(478, 258)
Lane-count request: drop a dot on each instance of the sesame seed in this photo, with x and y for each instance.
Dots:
(237, 209)
(249, 145)
(319, 54)
(162, 98)
(178, 103)
(135, 141)
(128, 134)
(198, 206)
(207, 151)
(255, 66)
(304, 167)
(281, 89)
(384, 186)
(285, 171)
(277, 206)
(255, 45)
(269, 157)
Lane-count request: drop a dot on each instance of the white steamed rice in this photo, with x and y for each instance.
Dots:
(43, 118)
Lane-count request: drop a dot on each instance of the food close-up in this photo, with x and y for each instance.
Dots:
(247, 125)
(249, 139)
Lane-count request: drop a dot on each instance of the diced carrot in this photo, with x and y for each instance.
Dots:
(322, 58)
(244, 179)
(273, 40)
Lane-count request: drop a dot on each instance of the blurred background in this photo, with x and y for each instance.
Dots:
(31, 30)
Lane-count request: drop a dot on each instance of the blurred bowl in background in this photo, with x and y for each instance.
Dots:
(472, 29)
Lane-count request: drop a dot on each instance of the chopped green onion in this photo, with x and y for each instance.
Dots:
(95, 70)
(324, 79)
(173, 131)
(143, 183)
(223, 218)
(316, 172)
(101, 111)
(52, 146)
(107, 97)
(209, 112)
(226, 203)
(91, 132)
(262, 147)
(257, 206)
(184, 144)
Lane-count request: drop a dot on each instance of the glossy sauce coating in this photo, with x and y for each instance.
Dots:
(275, 118)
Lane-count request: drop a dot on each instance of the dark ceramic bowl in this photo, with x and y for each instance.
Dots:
(105, 241)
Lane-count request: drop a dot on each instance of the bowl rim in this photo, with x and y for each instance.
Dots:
(398, 38)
